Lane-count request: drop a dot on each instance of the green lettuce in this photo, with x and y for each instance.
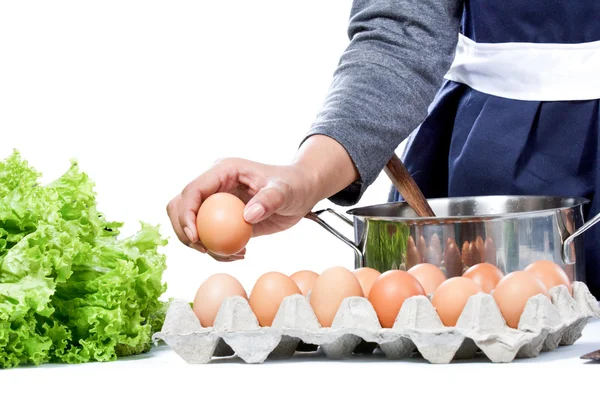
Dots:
(72, 290)
(15, 172)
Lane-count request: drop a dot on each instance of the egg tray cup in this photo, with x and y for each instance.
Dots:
(544, 325)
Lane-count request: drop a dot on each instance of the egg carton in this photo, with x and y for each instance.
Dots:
(544, 325)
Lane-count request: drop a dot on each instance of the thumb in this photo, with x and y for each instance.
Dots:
(266, 202)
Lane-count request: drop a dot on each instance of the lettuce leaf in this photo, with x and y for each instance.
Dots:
(22, 343)
(72, 291)
(112, 294)
(15, 172)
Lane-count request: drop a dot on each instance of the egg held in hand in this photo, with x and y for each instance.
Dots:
(551, 274)
(366, 277)
(389, 292)
(305, 280)
(512, 293)
(485, 275)
(211, 294)
(221, 226)
(330, 289)
(451, 297)
(428, 275)
(268, 293)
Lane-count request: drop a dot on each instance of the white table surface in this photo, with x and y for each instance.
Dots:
(163, 374)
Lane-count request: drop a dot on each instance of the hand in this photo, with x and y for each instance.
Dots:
(276, 198)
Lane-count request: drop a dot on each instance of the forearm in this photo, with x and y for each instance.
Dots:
(386, 79)
(327, 165)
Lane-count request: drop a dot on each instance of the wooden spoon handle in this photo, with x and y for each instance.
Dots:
(407, 187)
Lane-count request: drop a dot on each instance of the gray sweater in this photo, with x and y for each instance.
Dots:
(386, 78)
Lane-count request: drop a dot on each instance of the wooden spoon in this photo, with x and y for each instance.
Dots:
(407, 187)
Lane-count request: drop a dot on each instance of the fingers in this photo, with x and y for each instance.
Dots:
(192, 196)
(266, 202)
(173, 213)
(198, 246)
(234, 257)
(234, 176)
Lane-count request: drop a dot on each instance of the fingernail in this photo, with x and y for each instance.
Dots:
(188, 233)
(254, 212)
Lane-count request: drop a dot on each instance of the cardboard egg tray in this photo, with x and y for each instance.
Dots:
(545, 324)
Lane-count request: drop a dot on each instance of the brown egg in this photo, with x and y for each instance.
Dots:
(412, 254)
(211, 294)
(268, 293)
(428, 275)
(452, 261)
(489, 251)
(474, 253)
(465, 255)
(485, 275)
(434, 251)
(305, 280)
(389, 292)
(366, 276)
(480, 245)
(330, 289)
(512, 293)
(450, 298)
(422, 246)
(433, 256)
(221, 224)
(550, 274)
(435, 243)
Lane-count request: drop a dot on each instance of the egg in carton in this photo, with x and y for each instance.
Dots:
(544, 325)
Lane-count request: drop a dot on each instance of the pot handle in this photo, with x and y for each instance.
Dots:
(567, 243)
(315, 216)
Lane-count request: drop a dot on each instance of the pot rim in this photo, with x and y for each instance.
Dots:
(367, 211)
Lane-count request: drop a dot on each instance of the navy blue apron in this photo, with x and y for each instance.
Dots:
(474, 143)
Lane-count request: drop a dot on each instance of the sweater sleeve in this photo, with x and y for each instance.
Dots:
(394, 64)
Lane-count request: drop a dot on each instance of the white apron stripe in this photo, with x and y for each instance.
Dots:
(529, 71)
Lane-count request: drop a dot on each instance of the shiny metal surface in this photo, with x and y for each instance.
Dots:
(314, 216)
(570, 239)
(508, 231)
(467, 207)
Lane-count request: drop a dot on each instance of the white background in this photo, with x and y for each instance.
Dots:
(146, 95)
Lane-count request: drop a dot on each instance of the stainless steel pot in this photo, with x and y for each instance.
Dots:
(508, 231)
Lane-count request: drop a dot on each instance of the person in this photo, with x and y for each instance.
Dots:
(493, 97)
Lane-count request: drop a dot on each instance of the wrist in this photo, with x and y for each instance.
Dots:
(325, 167)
